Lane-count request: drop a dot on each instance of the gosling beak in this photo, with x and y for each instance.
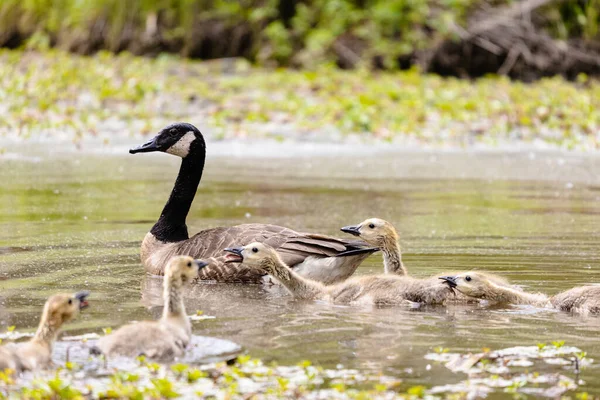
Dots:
(450, 280)
(82, 297)
(201, 264)
(235, 255)
(147, 147)
(353, 230)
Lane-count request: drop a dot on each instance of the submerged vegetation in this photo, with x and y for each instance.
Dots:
(54, 94)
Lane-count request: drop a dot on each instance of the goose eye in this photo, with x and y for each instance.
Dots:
(372, 226)
(189, 264)
(70, 301)
(468, 278)
(254, 250)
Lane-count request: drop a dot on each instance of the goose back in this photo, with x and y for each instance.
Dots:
(313, 256)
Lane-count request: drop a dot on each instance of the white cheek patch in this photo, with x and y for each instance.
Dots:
(182, 147)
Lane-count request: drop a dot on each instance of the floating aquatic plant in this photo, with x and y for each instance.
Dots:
(519, 370)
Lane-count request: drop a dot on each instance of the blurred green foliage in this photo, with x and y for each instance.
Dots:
(57, 93)
(285, 32)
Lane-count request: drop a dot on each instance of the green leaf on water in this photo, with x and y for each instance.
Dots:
(541, 346)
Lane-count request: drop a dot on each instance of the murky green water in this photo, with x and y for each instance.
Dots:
(75, 220)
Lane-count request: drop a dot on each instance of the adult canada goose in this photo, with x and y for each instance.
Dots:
(168, 337)
(37, 352)
(479, 285)
(374, 289)
(314, 256)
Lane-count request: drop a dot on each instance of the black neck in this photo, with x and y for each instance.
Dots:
(171, 226)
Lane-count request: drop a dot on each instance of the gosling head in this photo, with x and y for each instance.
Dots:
(184, 268)
(255, 255)
(375, 231)
(62, 308)
(180, 139)
(473, 284)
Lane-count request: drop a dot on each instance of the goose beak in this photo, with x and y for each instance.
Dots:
(201, 264)
(450, 280)
(353, 230)
(147, 147)
(82, 297)
(235, 255)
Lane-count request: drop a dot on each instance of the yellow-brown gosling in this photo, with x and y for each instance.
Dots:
(582, 299)
(37, 352)
(314, 256)
(481, 286)
(168, 337)
(380, 233)
(377, 289)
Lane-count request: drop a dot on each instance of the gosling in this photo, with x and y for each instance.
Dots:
(382, 234)
(378, 289)
(481, 286)
(166, 338)
(581, 300)
(37, 352)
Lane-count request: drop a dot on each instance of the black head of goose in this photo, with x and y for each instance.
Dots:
(313, 256)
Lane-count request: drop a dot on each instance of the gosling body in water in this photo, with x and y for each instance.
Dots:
(37, 352)
(482, 286)
(582, 299)
(379, 289)
(168, 337)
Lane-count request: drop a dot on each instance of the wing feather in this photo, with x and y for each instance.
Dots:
(293, 247)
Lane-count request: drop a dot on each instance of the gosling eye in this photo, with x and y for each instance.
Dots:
(189, 264)
(254, 250)
(70, 301)
(468, 278)
(372, 226)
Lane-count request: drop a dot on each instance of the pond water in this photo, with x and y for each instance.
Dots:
(73, 220)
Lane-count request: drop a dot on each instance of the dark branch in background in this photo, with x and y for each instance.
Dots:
(504, 40)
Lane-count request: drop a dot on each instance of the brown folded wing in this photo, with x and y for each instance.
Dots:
(293, 247)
